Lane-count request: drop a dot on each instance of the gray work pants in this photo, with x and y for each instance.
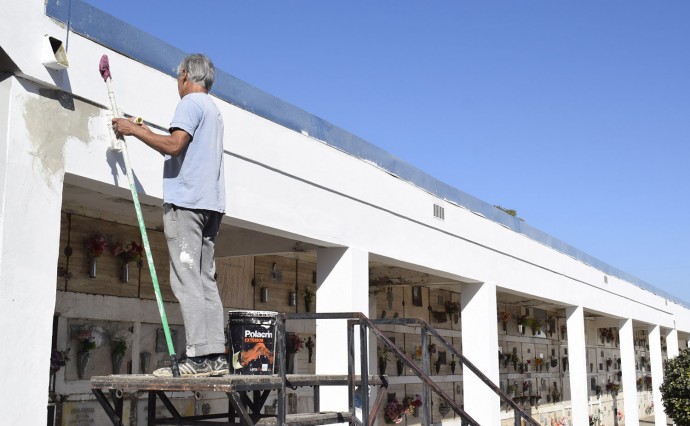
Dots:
(191, 236)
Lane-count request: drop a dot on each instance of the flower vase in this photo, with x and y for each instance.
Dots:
(117, 362)
(144, 360)
(443, 409)
(383, 363)
(307, 306)
(92, 267)
(521, 329)
(82, 362)
(505, 326)
(290, 363)
(452, 367)
(400, 366)
(456, 318)
(124, 276)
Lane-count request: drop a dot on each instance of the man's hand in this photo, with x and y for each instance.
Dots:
(127, 127)
(173, 144)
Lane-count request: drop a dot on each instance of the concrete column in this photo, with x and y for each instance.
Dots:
(627, 345)
(672, 343)
(342, 285)
(577, 364)
(657, 373)
(480, 347)
(31, 176)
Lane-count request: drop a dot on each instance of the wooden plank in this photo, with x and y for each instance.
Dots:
(234, 280)
(228, 383)
(279, 280)
(161, 260)
(108, 276)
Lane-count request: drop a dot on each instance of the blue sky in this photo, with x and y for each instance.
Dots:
(575, 114)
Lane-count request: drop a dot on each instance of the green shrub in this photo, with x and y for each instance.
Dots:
(675, 390)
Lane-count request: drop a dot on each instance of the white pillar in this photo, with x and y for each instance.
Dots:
(627, 344)
(577, 364)
(31, 176)
(657, 373)
(672, 343)
(480, 347)
(342, 285)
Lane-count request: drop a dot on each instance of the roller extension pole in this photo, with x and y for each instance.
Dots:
(119, 144)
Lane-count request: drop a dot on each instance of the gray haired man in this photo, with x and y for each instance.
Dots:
(194, 204)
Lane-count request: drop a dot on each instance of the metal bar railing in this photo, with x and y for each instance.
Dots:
(423, 376)
(366, 324)
(520, 414)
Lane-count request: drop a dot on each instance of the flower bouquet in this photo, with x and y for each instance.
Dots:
(95, 246)
(120, 342)
(503, 318)
(393, 412)
(90, 337)
(58, 359)
(132, 252)
(613, 388)
(308, 297)
(294, 343)
(453, 310)
(412, 403)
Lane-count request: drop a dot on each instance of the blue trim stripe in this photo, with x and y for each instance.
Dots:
(117, 35)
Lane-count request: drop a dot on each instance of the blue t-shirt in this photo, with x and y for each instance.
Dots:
(195, 178)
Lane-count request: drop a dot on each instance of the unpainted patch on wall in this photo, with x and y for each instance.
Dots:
(51, 119)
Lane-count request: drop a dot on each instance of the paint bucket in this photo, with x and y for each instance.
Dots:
(251, 341)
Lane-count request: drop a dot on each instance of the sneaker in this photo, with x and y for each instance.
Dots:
(219, 365)
(188, 368)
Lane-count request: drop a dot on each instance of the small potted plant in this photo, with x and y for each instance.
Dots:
(119, 343)
(504, 317)
(393, 412)
(535, 325)
(382, 354)
(453, 310)
(411, 404)
(522, 322)
(400, 365)
(95, 246)
(613, 388)
(539, 363)
(132, 252)
(90, 338)
(308, 298)
(555, 395)
(293, 344)
(443, 408)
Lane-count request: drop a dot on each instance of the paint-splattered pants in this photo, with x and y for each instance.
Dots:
(191, 236)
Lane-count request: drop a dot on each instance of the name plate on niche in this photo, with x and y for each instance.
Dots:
(86, 414)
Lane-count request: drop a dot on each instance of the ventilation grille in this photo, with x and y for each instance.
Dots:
(439, 212)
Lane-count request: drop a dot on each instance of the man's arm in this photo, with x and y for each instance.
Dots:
(172, 144)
